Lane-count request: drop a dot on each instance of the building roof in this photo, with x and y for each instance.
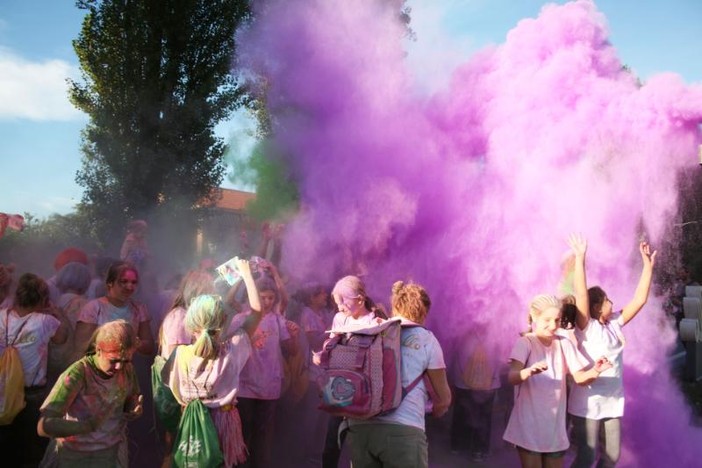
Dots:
(232, 200)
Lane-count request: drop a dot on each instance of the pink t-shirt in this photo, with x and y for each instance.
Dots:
(30, 335)
(173, 332)
(100, 311)
(215, 382)
(71, 304)
(262, 376)
(538, 419)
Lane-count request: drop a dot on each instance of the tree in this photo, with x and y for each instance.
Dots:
(156, 80)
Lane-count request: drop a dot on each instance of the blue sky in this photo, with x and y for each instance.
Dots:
(40, 130)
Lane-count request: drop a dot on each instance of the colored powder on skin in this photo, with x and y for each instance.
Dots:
(472, 191)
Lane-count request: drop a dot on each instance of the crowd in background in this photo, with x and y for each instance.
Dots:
(93, 337)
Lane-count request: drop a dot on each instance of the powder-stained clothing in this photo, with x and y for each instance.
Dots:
(420, 351)
(30, 335)
(82, 392)
(215, 382)
(262, 376)
(318, 323)
(538, 419)
(342, 320)
(604, 397)
(173, 332)
(101, 311)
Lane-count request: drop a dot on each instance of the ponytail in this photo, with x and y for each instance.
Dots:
(205, 317)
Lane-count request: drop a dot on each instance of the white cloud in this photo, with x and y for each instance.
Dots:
(35, 90)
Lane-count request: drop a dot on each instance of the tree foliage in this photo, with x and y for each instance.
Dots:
(156, 79)
(35, 247)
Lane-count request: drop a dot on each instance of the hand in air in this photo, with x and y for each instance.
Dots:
(243, 267)
(648, 257)
(578, 244)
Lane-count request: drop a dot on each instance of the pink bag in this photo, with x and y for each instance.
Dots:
(361, 377)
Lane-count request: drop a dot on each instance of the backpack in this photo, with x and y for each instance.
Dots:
(196, 443)
(11, 377)
(361, 375)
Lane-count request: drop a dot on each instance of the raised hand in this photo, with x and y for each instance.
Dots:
(578, 244)
(243, 267)
(648, 257)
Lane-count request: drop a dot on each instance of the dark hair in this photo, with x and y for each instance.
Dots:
(596, 296)
(32, 292)
(569, 312)
(308, 291)
(117, 269)
(266, 283)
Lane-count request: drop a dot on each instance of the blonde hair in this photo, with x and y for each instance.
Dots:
(410, 301)
(205, 316)
(193, 284)
(352, 287)
(118, 333)
(539, 304)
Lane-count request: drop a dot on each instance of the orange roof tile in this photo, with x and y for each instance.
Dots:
(233, 200)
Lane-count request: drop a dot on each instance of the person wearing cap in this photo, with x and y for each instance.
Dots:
(63, 258)
(88, 408)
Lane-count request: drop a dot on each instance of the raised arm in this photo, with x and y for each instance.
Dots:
(642, 289)
(252, 321)
(579, 247)
(271, 270)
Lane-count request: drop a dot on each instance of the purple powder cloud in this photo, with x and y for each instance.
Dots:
(472, 191)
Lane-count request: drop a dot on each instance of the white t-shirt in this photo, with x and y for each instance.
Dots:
(101, 311)
(32, 342)
(173, 332)
(262, 376)
(604, 397)
(342, 320)
(215, 382)
(420, 351)
(538, 418)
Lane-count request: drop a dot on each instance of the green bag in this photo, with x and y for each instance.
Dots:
(166, 406)
(196, 444)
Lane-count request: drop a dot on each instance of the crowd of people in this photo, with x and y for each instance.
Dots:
(97, 352)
